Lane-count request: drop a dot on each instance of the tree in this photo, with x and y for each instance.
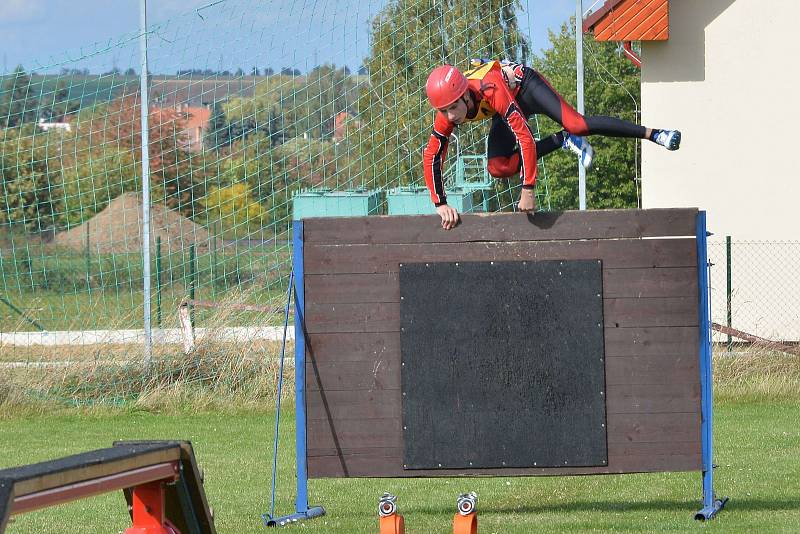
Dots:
(18, 105)
(612, 87)
(218, 134)
(174, 179)
(57, 104)
(312, 109)
(408, 39)
(30, 181)
(235, 207)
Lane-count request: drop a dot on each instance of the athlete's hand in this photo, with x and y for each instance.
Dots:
(449, 216)
(527, 200)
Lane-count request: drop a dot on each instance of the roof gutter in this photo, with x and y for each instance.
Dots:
(627, 48)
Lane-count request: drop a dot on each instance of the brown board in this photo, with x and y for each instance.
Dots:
(650, 330)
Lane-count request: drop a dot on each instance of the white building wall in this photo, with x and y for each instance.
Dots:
(728, 78)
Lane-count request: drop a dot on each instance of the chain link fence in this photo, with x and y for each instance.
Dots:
(250, 103)
(233, 137)
(759, 280)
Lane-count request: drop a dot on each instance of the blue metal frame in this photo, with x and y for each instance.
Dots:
(302, 511)
(711, 505)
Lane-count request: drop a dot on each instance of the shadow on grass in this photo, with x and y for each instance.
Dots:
(690, 507)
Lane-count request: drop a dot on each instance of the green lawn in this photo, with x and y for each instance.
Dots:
(51, 287)
(757, 449)
(114, 310)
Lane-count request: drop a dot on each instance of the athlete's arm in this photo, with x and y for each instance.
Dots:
(495, 90)
(433, 158)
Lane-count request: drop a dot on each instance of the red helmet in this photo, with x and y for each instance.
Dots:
(445, 85)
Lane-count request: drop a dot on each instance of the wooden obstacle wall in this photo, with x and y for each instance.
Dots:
(651, 330)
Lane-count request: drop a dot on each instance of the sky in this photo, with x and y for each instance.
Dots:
(47, 36)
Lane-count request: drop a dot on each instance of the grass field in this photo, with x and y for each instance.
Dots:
(757, 450)
(61, 289)
(106, 310)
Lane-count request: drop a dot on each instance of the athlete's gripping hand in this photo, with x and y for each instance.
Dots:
(527, 200)
(449, 216)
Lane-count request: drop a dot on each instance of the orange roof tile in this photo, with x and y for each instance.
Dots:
(197, 116)
(630, 20)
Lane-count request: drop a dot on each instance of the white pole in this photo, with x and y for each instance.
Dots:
(579, 64)
(145, 106)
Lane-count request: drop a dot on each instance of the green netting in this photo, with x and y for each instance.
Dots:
(230, 148)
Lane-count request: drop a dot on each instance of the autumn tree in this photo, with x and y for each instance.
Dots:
(174, 179)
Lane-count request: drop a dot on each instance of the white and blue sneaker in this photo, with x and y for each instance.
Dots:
(580, 147)
(671, 139)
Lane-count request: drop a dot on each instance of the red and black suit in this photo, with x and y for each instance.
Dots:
(511, 146)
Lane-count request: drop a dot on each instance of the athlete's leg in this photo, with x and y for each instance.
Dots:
(538, 96)
(502, 151)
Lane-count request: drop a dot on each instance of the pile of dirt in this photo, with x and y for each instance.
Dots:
(118, 229)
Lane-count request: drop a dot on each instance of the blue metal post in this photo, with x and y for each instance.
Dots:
(302, 511)
(711, 505)
(300, 369)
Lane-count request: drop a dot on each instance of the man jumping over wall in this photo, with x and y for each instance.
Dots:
(509, 93)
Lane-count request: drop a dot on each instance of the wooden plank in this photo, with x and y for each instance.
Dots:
(545, 226)
(347, 433)
(360, 466)
(653, 428)
(653, 398)
(606, 28)
(678, 448)
(385, 317)
(363, 404)
(621, 373)
(659, 31)
(655, 23)
(385, 287)
(636, 22)
(353, 347)
(638, 356)
(352, 288)
(358, 404)
(369, 317)
(623, 253)
(643, 313)
(387, 462)
(55, 473)
(352, 376)
(648, 283)
(386, 432)
(652, 342)
(652, 370)
(633, 357)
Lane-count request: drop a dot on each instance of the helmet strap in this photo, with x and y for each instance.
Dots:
(467, 102)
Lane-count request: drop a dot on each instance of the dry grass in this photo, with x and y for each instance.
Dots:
(215, 376)
(234, 376)
(754, 373)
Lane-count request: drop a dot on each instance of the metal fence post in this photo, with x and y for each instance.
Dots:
(88, 260)
(728, 289)
(214, 270)
(192, 282)
(158, 281)
(145, 109)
